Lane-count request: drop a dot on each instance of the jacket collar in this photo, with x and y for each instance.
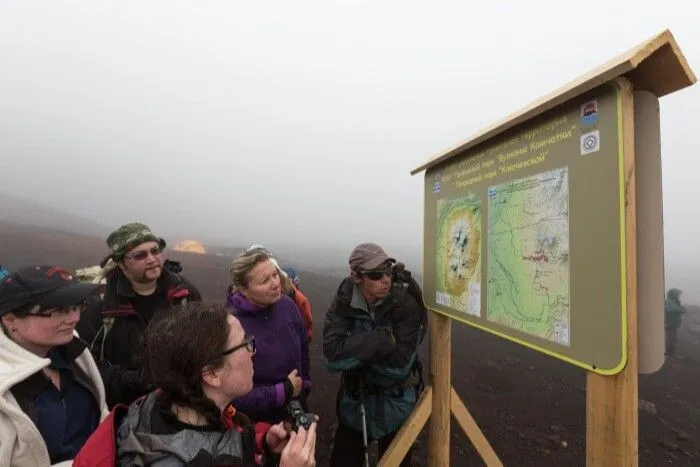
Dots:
(35, 383)
(245, 306)
(358, 300)
(350, 294)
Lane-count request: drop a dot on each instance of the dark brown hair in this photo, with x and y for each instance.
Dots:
(178, 344)
(19, 313)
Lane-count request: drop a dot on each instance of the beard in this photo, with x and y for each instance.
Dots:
(146, 277)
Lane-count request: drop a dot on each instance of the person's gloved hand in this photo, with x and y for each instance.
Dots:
(386, 339)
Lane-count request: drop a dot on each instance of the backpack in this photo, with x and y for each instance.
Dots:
(401, 275)
(304, 307)
(100, 449)
(403, 278)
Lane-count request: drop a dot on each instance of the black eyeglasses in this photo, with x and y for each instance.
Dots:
(376, 274)
(142, 255)
(62, 312)
(248, 343)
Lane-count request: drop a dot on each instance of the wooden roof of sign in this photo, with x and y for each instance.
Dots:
(656, 65)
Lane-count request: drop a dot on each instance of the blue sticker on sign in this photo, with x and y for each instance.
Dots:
(589, 113)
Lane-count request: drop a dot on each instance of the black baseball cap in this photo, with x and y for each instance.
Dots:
(46, 286)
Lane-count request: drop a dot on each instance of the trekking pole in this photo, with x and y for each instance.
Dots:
(364, 422)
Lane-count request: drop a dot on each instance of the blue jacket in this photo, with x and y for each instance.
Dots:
(376, 349)
(282, 346)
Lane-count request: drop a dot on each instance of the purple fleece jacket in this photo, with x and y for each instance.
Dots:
(282, 346)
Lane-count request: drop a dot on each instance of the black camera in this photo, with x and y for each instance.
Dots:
(298, 416)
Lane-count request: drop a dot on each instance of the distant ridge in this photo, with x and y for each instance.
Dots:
(13, 209)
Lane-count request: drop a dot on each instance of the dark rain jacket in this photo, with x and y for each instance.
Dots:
(376, 348)
(118, 355)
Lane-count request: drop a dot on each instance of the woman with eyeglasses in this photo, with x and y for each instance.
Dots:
(200, 359)
(51, 393)
(282, 360)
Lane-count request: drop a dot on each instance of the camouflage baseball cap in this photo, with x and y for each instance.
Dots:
(368, 256)
(127, 237)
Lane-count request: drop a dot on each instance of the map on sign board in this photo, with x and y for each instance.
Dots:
(459, 254)
(524, 234)
(528, 264)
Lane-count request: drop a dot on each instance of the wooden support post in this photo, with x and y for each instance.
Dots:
(441, 382)
(409, 431)
(612, 401)
(473, 432)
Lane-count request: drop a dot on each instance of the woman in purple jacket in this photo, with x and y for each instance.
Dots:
(281, 363)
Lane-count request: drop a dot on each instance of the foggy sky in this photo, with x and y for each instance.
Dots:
(296, 123)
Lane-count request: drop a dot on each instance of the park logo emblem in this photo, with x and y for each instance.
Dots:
(590, 142)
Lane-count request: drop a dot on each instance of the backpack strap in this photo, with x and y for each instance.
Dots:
(409, 286)
(108, 318)
(100, 449)
(178, 293)
(177, 290)
(107, 323)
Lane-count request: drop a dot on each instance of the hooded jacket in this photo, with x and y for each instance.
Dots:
(376, 348)
(282, 346)
(673, 310)
(21, 443)
(118, 355)
(149, 435)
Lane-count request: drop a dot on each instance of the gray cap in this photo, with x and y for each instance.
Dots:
(368, 256)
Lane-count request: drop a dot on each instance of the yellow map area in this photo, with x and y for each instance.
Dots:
(458, 284)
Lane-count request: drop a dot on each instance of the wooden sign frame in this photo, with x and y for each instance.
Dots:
(657, 66)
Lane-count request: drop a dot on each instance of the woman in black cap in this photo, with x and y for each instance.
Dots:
(51, 393)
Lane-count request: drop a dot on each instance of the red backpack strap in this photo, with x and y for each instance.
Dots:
(124, 310)
(177, 293)
(100, 449)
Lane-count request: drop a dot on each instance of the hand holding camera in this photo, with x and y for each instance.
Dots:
(299, 417)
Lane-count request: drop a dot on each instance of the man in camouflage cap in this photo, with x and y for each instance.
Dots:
(139, 283)
(128, 236)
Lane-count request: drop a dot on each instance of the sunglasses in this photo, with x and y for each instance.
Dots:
(376, 274)
(142, 255)
(61, 312)
(248, 343)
